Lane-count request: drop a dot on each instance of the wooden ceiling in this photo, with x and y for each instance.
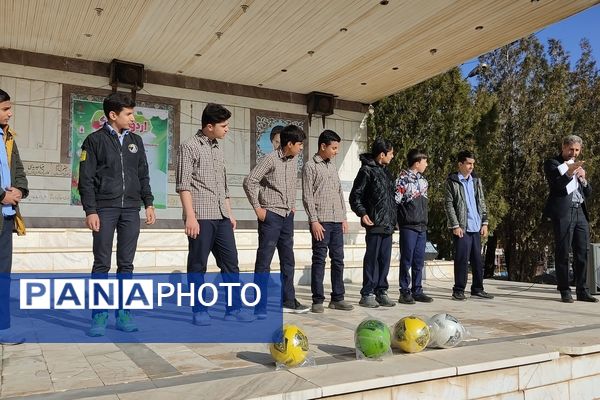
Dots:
(359, 50)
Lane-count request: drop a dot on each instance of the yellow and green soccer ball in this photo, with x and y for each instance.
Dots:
(411, 334)
(293, 348)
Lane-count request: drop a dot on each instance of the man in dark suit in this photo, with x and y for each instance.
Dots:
(566, 208)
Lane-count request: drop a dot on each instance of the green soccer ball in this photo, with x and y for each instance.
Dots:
(373, 338)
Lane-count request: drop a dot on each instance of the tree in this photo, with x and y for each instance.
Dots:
(524, 104)
(584, 116)
(437, 116)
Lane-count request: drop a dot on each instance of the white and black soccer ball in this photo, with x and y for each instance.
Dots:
(445, 331)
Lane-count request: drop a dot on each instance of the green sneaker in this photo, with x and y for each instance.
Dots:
(98, 327)
(125, 321)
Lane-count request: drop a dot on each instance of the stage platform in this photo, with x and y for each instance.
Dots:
(524, 344)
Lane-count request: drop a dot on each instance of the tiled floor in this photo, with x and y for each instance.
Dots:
(524, 324)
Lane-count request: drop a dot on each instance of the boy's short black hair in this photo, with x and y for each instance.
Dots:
(291, 134)
(381, 145)
(4, 96)
(462, 156)
(328, 136)
(214, 114)
(117, 102)
(414, 156)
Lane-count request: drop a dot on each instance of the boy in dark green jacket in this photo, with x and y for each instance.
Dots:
(468, 220)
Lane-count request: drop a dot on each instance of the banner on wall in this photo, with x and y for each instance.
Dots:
(153, 122)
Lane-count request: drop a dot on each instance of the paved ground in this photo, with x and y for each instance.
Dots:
(117, 371)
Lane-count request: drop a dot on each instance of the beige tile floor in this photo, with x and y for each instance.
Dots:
(524, 324)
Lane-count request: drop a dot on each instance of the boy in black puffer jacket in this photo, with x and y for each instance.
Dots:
(372, 199)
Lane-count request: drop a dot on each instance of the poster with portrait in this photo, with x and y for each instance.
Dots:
(153, 122)
(265, 127)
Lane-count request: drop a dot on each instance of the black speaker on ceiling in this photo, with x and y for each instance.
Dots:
(126, 74)
(318, 103)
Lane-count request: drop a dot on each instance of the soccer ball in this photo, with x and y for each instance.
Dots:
(372, 338)
(293, 348)
(410, 334)
(446, 331)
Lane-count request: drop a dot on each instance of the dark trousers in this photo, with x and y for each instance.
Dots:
(468, 249)
(216, 236)
(412, 258)
(334, 241)
(126, 221)
(571, 231)
(276, 232)
(6, 248)
(376, 263)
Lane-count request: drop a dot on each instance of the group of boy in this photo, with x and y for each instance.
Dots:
(114, 180)
(383, 203)
(114, 169)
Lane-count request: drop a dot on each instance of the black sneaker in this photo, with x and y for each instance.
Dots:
(566, 297)
(586, 297)
(406, 298)
(384, 300)
(482, 294)
(341, 305)
(368, 301)
(317, 308)
(297, 308)
(460, 296)
(422, 298)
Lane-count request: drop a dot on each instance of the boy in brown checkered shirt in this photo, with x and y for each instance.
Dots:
(201, 182)
(324, 203)
(271, 190)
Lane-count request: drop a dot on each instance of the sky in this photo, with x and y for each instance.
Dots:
(569, 31)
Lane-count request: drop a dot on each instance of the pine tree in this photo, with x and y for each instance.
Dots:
(436, 116)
